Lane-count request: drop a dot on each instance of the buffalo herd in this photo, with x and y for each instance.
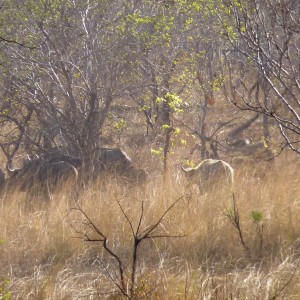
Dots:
(48, 172)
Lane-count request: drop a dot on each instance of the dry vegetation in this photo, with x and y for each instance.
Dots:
(43, 255)
(169, 82)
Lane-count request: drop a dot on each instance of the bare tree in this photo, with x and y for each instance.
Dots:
(127, 273)
(74, 73)
(263, 62)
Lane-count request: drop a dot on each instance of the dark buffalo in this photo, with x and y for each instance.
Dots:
(133, 174)
(91, 170)
(76, 162)
(116, 163)
(112, 158)
(38, 174)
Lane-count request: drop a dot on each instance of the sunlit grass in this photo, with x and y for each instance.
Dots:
(44, 256)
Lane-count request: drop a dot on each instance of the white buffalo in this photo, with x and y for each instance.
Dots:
(210, 174)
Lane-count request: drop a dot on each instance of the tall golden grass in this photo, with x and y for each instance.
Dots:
(198, 256)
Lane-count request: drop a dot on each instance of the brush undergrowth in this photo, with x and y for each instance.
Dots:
(198, 253)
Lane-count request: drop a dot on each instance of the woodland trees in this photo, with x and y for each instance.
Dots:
(64, 63)
(66, 81)
(263, 62)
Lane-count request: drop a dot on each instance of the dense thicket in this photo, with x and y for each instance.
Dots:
(64, 64)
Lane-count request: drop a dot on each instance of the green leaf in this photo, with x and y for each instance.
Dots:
(257, 216)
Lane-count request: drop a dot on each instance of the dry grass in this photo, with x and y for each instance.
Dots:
(43, 257)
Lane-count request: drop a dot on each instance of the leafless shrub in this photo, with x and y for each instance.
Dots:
(127, 273)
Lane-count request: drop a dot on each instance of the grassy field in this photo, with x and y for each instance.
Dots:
(194, 252)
